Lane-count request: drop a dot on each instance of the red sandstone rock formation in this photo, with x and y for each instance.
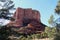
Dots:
(27, 18)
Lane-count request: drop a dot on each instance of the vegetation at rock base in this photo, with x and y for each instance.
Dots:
(48, 33)
(4, 33)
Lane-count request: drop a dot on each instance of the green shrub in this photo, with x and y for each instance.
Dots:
(44, 35)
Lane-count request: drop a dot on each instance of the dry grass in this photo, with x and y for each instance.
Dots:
(44, 39)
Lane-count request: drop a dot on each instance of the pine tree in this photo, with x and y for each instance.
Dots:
(57, 10)
(5, 9)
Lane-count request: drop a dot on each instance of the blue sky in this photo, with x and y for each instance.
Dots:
(45, 7)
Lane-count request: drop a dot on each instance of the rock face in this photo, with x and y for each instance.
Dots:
(27, 18)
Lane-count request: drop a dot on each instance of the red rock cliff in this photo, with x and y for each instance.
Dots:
(29, 18)
(25, 14)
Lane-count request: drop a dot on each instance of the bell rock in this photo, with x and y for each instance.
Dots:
(27, 21)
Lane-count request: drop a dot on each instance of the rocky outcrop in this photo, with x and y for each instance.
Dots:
(27, 18)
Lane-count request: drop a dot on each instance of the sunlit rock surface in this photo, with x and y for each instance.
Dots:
(27, 18)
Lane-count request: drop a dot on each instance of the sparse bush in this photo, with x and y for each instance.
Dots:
(44, 35)
(57, 37)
